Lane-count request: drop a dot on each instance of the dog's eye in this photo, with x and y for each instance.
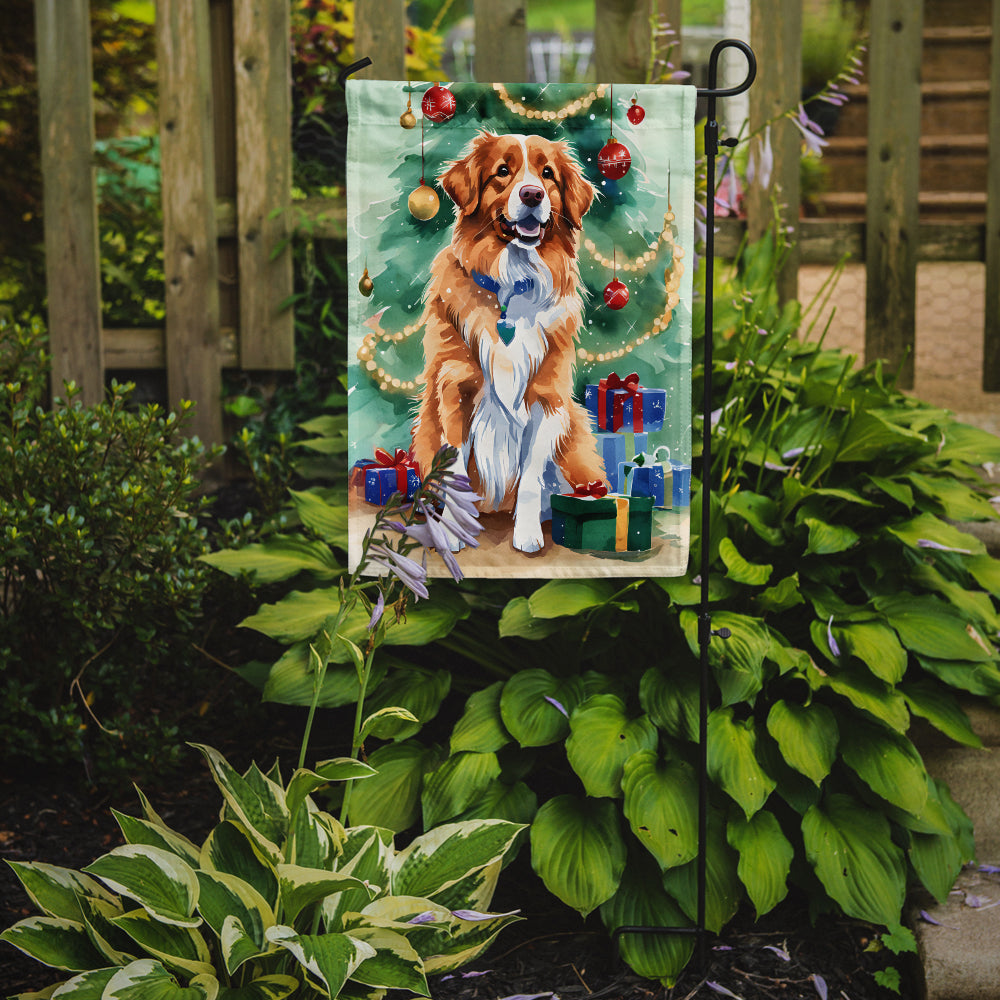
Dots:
(548, 173)
(503, 170)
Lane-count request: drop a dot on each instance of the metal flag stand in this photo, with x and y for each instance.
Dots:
(705, 630)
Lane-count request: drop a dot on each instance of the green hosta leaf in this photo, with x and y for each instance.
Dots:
(958, 502)
(260, 809)
(850, 848)
(807, 736)
(230, 849)
(732, 760)
(301, 887)
(641, 901)
(418, 691)
(723, 889)
(602, 738)
(147, 979)
(758, 511)
(141, 831)
(517, 620)
(391, 798)
(870, 435)
(578, 851)
(87, 986)
(684, 592)
(56, 891)
(330, 959)
(876, 646)
(559, 598)
(225, 897)
(386, 723)
(395, 964)
(279, 558)
(456, 784)
(275, 987)
(828, 539)
(671, 700)
(54, 941)
(931, 628)
(516, 803)
(661, 798)
(937, 860)
(893, 488)
(975, 605)
(986, 571)
(304, 782)
(180, 948)
(976, 678)
(738, 569)
(530, 706)
(965, 443)
(783, 595)
(865, 692)
(292, 680)
(481, 728)
(941, 709)
(928, 528)
(159, 881)
(738, 661)
(888, 763)
(327, 520)
(765, 858)
(443, 856)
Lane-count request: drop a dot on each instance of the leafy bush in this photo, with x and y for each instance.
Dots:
(279, 899)
(99, 541)
(854, 602)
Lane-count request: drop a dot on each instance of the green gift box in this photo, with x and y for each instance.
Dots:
(604, 523)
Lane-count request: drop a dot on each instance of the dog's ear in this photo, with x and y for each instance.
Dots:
(462, 180)
(578, 192)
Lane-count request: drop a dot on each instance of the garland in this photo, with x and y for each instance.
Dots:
(569, 109)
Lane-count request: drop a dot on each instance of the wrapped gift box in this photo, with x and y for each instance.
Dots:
(646, 476)
(611, 448)
(602, 521)
(376, 480)
(618, 403)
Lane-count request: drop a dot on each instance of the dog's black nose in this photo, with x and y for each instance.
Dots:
(531, 195)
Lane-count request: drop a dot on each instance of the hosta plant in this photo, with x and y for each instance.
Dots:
(279, 900)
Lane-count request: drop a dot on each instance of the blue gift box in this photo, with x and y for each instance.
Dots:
(611, 447)
(643, 481)
(381, 483)
(625, 405)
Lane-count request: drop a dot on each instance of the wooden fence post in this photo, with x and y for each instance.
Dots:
(776, 35)
(991, 333)
(621, 40)
(190, 251)
(72, 254)
(380, 34)
(501, 41)
(892, 213)
(262, 60)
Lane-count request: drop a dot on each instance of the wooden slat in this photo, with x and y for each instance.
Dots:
(144, 348)
(991, 332)
(190, 254)
(621, 40)
(72, 257)
(501, 41)
(893, 184)
(262, 61)
(380, 34)
(667, 14)
(776, 36)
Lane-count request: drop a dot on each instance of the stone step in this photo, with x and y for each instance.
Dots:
(956, 53)
(953, 206)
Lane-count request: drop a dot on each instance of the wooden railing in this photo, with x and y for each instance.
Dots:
(226, 161)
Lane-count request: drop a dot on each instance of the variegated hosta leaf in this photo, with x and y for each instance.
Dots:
(395, 964)
(851, 849)
(87, 986)
(116, 946)
(304, 782)
(441, 857)
(765, 858)
(456, 784)
(275, 987)
(602, 737)
(468, 939)
(732, 760)
(149, 980)
(578, 851)
(56, 891)
(481, 727)
(225, 897)
(238, 945)
(315, 839)
(476, 890)
(300, 887)
(661, 805)
(256, 801)
(230, 849)
(807, 736)
(177, 947)
(535, 706)
(141, 831)
(367, 853)
(328, 959)
(642, 902)
(54, 941)
(159, 881)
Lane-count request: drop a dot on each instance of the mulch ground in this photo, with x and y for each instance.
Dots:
(550, 953)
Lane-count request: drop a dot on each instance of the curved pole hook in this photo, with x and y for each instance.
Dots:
(713, 69)
(353, 68)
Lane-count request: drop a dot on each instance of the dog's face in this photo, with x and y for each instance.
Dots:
(520, 190)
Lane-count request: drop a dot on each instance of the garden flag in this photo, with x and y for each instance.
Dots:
(519, 271)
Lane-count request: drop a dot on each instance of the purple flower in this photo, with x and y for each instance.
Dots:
(410, 573)
(927, 543)
(834, 648)
(820, 983)
(811, 132)
(475, 915)
(780, 952)
(552, 701)
(377, 612)
(427, 917)
(761, 163)
(719, 988)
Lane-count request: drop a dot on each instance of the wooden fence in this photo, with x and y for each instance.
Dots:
(226, 162)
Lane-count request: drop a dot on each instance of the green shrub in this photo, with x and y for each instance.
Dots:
(101, 584)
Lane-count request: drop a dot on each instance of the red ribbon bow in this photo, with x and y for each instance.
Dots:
(595, 489)
(630, 386)
(630, 383)
(400, 461)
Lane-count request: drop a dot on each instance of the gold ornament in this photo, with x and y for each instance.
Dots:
(408, 119)
(423, 203)
(366, 286)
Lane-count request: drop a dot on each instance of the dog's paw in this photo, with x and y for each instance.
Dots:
(528, 540)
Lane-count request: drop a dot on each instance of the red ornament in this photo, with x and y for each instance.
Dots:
(636, 113)
(616, 294)
(438, 103)
(614, 160)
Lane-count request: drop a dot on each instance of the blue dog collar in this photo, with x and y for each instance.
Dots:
(505, 328)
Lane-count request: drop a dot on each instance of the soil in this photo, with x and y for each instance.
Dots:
(551, 952)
